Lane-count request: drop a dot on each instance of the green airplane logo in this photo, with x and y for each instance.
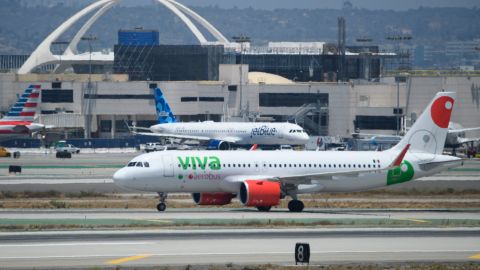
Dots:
(195, 162)
(402, 173)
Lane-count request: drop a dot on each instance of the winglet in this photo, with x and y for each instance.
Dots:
(254, 147)
(400, 157)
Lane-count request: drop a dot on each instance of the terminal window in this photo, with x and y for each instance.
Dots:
(291, 99)
(105, 126)
(211, 99)
(375, 122)
(189, 99)
(57, 96)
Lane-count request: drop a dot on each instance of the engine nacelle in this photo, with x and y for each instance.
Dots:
(212, 198)
(218, 145)
(260, 193)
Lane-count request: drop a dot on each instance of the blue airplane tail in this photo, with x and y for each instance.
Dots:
(164, 113)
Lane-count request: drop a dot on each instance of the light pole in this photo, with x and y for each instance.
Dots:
(398, 79)
(89, 38)
(242, 40)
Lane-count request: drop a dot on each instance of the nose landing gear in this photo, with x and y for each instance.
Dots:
(162, 206)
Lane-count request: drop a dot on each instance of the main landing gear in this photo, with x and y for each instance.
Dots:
(264, 208)
(162, 206)
(295, 205)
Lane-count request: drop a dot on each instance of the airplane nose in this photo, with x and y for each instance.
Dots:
(120, 177)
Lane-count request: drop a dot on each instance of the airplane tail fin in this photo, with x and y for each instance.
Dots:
(429, 132)
(26, 106)
(164, 113)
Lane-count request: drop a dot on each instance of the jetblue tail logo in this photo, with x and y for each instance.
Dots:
(164, 113)
(25, 108)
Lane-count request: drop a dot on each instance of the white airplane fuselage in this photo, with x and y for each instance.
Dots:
(223, 171)
(243, 133)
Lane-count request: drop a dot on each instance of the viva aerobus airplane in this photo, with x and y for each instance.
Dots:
(261, 178)
(221, 135)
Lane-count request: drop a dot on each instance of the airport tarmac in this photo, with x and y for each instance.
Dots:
(237, 246)
(422, 239)
(236, 213)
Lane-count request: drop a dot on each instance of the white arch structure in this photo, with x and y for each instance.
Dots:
(43, 55)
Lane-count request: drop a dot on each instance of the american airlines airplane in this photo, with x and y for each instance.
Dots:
(261, 178)
(19, 120)
(221, 135)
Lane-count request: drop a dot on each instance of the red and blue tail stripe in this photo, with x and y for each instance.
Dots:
(26, 106)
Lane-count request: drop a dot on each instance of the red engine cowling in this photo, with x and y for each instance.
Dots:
(260, 193)
(212, 198)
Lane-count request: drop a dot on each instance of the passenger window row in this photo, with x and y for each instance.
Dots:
(295, 165)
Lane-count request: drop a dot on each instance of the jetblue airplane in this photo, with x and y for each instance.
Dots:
(261, 178)
(19, 120)
(221, 135)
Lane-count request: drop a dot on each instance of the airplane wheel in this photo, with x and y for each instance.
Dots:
(161, 207)
(295, 206)
(264, 208)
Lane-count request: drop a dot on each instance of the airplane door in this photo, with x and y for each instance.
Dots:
(280, 132)
(167, 165)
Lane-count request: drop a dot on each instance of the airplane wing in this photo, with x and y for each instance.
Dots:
(138, 128)
(436, 164)
(302, 178)
(463, 130)
(230, 139)
(467, 140)
(175, 136)
(187, 137)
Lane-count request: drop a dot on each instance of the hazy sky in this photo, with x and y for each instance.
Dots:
(336, 4)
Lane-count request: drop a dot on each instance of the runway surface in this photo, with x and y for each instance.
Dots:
(182, 247)
(241, 213)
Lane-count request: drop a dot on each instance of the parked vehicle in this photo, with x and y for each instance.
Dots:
(62, 146)
(154, 146)
(4, 152)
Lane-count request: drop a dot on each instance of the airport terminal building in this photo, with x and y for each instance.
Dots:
(329, 89)
(335, 109)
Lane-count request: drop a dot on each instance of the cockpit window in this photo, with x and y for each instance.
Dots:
(139, 164)
(131, 164)
(146, 164)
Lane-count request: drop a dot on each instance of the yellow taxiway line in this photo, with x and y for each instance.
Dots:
(476, 256)
(414, 220)
(128, 259)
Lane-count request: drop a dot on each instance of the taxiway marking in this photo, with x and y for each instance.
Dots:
(128, 259)
(476, 256)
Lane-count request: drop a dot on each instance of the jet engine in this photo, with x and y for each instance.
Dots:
(260, 193)
(212, 198)
(218, 145)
